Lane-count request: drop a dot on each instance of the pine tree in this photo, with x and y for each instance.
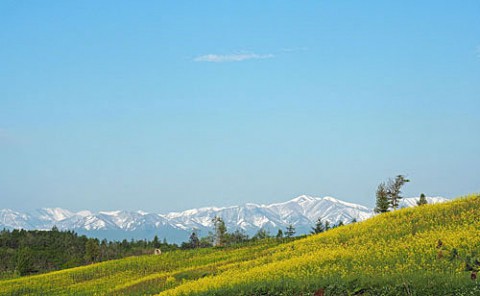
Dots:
(394, 190)
(194, 241)
(382, 203)
(279, 234)
(290, 231)
(327, 225)
(156, 242)
(422, 201)
(319, 227)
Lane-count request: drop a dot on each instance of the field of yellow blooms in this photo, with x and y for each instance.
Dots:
(427, 250)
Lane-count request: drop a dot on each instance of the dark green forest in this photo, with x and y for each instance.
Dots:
(25, 252)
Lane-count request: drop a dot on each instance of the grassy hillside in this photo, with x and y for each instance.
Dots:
(419, 251)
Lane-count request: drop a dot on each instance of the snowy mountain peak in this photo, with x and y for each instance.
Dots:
(57, 214)
(303, 198)
(110, 213)
(13, 219)
(301, 211)
(344, 203)
(84, 213)
(329, 198)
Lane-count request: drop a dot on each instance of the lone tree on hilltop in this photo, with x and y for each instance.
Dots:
(394, 190)
(382, 203)
(422, 201)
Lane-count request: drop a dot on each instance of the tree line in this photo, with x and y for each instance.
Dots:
(220, 237)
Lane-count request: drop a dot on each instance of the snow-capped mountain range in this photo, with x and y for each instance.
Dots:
(301, 211)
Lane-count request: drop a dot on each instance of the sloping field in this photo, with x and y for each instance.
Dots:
(428, 250)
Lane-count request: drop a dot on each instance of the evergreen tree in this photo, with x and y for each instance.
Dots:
(290, 231)
(394, 190)
(220, 231)
(194, 241)
(156, 243)
(327, 225)
(382, 203)
(319, 227)
(422, 201)
(279, 234)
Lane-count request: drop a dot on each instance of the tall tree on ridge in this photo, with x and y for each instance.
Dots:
(394, 190)
(382, 203)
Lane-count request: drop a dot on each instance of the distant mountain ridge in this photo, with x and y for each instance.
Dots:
(301, 211)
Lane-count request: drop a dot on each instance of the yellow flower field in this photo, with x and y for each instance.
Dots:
(427, 250)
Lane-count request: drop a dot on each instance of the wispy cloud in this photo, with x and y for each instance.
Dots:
(235, 57)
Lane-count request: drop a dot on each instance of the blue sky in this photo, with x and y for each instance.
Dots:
(168, 105)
